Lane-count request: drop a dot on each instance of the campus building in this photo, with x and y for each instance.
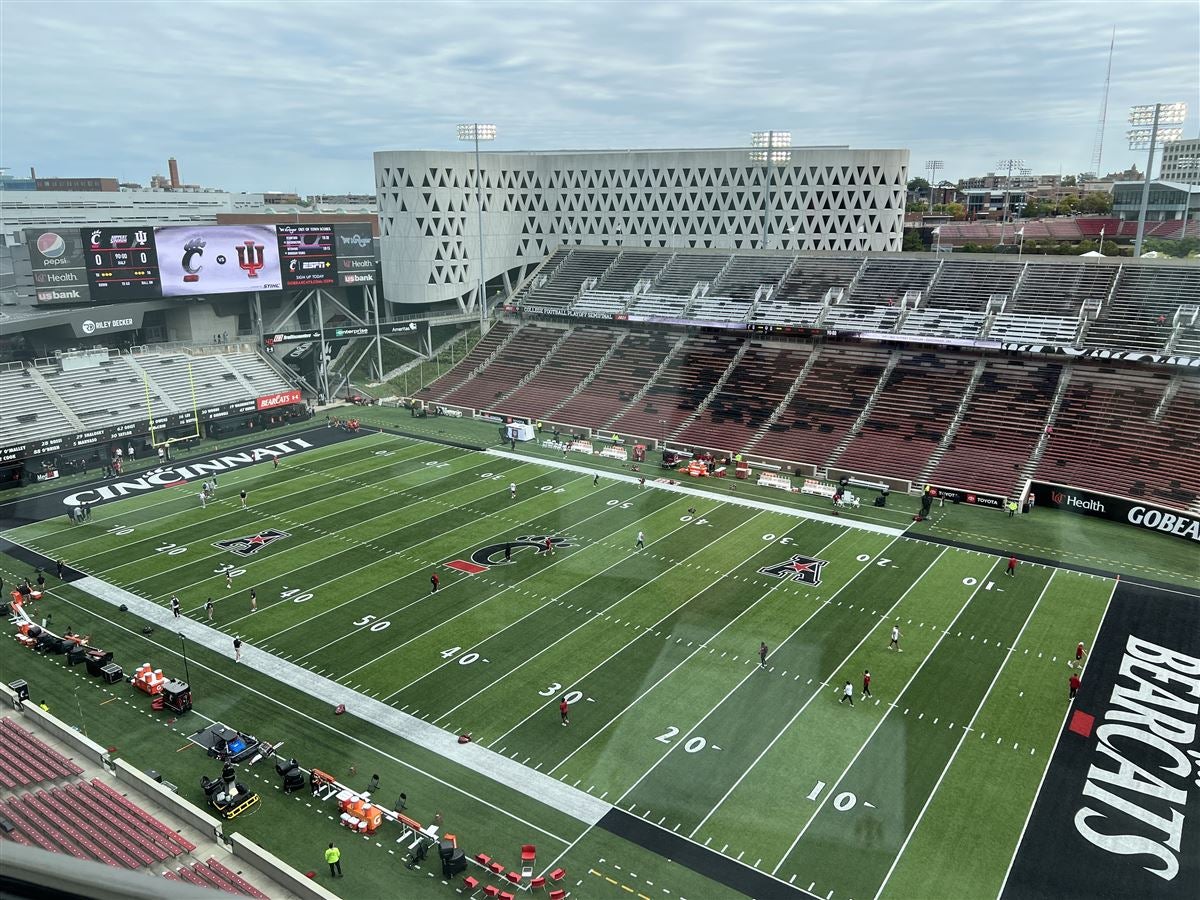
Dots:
(821, 198)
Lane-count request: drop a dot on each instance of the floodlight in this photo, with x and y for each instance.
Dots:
(476, 132)
(772, 148)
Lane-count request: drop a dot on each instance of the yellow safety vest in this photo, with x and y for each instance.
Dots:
(332, 855)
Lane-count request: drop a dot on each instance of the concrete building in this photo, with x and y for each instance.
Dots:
(45, 209)
(1181, 162)
(823, 198)
(1170, 201)
(108, 185)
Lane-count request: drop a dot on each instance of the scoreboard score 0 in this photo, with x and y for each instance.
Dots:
(121, 264)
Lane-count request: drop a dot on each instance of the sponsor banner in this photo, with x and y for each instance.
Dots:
(1171, 359)
(217, 259)
(122, 263)
(1119, 807)
(1137, 513)
(339, 333)
(59, 266)
(976, 498)
(354, 244)
(283, 398)
(86, 326)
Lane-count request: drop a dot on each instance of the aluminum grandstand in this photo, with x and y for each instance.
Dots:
(974, 375)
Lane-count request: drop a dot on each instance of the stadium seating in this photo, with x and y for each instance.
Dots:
(499, 376)
(634, 266)
(1059, 290)
(961, 326)
(885, 279)
(633, 364)
(680, 388)
(496, 337)
(1004, 417)
(576, 267)
(966, 285)
(686, 270)
(1110, 434)
(811, 277)
(746, 401)
(745, 274)
(910, 416)
(825, 406)
(562, 373)
(29, 761)
(1143, 295)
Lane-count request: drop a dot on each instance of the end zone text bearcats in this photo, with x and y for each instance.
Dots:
(159, 478)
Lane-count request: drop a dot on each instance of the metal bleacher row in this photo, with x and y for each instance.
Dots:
(49, 806)
(1037, 301)
(53, 401)
(959, 418)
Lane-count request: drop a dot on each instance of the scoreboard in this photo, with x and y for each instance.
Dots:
(122, 264)
(111, 264)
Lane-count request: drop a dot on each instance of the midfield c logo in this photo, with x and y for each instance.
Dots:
(250, 258)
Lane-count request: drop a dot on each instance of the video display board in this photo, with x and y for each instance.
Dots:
(306, 255)
(111, 264)
(121, 264)
(217, 259)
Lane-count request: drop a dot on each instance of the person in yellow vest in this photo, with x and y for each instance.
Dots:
(333, 856)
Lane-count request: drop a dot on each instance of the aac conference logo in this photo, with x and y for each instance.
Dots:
(51, 245)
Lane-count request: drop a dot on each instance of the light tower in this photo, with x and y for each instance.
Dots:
(932, 166)
(477, 132)
(1009, 166)
(1150, 125)
(774, 149)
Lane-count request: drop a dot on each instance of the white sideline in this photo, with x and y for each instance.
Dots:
(508, 772)
(707, 495)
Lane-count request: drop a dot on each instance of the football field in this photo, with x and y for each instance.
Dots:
(543, 595)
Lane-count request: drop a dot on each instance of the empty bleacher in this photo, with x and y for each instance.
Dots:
(686, 270)
(25, 760)
(1059, 290)
(625, 373)
(1106, 435)
(966, 285)
(632, 267)
(1144, 295)
(745, 274)
(826, 405)
(659, 306)
(1004, 418)
(910, 416)
(520, 355)
(457, 374)
(811, 277)
(562, 373)
(27, 413)
(786, 312)
(718, 309)
(887, 279)
(949, 323)
(746, 401)
(1025, 329)
(682, 385)
(599, 304)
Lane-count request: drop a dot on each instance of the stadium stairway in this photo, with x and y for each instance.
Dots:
(52, 395)
(786, 401)
(716, 389)
(591, 376)
(857, 427)
(1035, 458)
(666, 360)
(952, 428)
(547, 357)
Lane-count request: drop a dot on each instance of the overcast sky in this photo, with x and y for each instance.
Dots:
(297, 95)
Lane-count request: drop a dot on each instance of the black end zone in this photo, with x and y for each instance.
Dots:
(36, 560)
(1118, 815)
(698, 858)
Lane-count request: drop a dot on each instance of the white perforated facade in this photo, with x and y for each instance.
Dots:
(825, 198)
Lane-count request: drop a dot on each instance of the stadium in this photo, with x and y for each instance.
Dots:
(592, 524)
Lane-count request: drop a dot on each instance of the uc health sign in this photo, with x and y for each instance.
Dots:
(1119, 509)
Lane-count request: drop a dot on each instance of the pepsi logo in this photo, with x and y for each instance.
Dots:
(51, 245)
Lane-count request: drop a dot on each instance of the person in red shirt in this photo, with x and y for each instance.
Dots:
(549, 547)
(1074, 684)
(1080, 653)
(1012, 567)
(866, 683)
(564, 711)
(433, 580)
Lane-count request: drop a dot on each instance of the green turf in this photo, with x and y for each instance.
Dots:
(672, 717)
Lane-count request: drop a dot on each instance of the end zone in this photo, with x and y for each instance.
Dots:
(1118, 814)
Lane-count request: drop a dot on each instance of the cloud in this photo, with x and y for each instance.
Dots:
(291, 95)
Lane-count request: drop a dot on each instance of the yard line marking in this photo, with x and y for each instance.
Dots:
(812, 697)
(471, 608)
(761, 505)
(1050, 755)
(675, 668)
(958, 746)
(833, 789)
(624, 647)
(586, 622)
(488, 764)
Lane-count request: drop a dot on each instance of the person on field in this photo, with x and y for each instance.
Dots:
(548, 547)
(208, 608)
(641, 540)
(866, 683)
(896, 635)
(175, 606)
(253, 600)
(762, 654)
(512, 490)
(1011, 571)
(1080, 653)
(847, 694)
(433, 582)
(333, 856)
(1073, 685)
(564, 711)
(237, 649)
(243, 496)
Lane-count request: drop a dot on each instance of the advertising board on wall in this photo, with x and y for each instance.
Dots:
(1137, 513)
(59, 267)
(355, 247)
(975, 498)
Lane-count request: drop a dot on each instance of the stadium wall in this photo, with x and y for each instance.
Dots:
(824, 198)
